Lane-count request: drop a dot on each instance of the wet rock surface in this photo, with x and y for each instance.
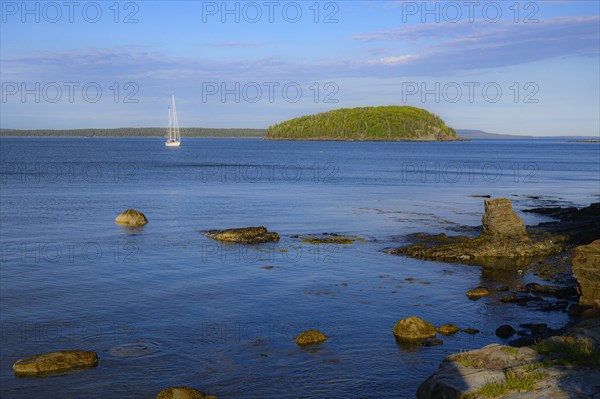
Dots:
(329, 238)
(244, 235)
(55, 362)
(132, 218)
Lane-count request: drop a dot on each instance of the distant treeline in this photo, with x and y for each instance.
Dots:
(135, 132)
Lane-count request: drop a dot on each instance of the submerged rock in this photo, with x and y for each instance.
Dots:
(182, 392)
(448, 329)
(330, 238)
(413, 329)
(586, 269)
(131, 217)
(244, 235)
(432, 342)
(311, 337)
(55, 362)
(477, 293)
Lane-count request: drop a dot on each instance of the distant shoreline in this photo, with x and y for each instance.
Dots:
(241, 133)
(131, 132)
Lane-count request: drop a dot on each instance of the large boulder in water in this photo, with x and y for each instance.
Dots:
(413, 329)
(586, 269)
(244, 235)
(500, 221)
(182, 392)
(55, 362)
(131, 217)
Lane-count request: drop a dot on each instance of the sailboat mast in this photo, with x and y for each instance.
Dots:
(176, 133)
(170, 130)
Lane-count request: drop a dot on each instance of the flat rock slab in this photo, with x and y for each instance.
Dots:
(244, 235)
(55, 362)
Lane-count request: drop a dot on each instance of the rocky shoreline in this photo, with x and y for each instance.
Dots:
(541, 363)
(564, 366)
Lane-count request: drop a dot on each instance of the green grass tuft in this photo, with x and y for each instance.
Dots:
(466, 359)
(569, 351)
(514, 381)
(510, 350)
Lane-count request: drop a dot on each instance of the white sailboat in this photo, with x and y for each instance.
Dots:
(173, 136)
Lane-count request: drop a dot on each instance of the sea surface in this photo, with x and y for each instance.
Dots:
(163, 305)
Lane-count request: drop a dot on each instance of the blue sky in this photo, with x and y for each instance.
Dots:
(505, 66)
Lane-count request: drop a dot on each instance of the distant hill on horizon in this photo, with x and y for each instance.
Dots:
(480, 134)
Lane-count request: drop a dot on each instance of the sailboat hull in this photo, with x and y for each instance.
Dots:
(172, 143)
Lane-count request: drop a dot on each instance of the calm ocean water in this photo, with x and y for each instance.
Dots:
(163, 305)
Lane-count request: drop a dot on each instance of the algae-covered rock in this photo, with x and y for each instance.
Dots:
(448, 329)
(503, 243)
(182, 392)
(311, 337)
(413, 329)
(55, 362)
(131, 217)
(330, 238)
(244, 235)
(477, 293)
